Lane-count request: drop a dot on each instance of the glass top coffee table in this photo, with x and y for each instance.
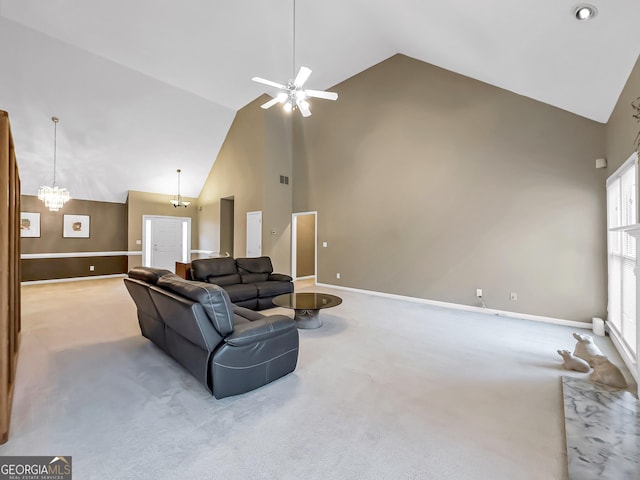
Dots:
(307, 306)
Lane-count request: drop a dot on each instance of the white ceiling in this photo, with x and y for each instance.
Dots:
(143, 87)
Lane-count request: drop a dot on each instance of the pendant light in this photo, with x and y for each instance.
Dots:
(177, 200)
(54, 197)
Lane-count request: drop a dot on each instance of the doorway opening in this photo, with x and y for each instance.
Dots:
(304, 252)
(227, 211)
(165, 241)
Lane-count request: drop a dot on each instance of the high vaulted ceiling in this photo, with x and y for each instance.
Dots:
(143, 87)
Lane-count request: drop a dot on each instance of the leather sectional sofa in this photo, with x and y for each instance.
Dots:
(228, 349)
(250, 282)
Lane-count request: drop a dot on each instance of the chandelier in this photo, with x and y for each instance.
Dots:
(177, 200)
(54, 197)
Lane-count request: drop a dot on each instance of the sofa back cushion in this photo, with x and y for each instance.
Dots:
(148, 274)
(213, 299)
(221, 271)
(253, 270)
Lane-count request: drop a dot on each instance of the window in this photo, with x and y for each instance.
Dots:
(621, 213)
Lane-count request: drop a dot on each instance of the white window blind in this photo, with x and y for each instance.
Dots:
(622, 212)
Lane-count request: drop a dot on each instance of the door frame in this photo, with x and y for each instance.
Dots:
(146, 238)
(294, 243)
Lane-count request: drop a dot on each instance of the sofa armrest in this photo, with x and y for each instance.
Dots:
(254, 332)
(280, 277)
(247, 313)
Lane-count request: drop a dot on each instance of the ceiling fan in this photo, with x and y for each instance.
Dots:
(292, 95)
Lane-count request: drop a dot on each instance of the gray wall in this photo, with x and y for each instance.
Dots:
(256, 151)
(107, 230)
(431, 184)
(622, 129)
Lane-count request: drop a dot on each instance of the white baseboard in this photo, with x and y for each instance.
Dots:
(308, 277)
(469, 308)
(74, 279)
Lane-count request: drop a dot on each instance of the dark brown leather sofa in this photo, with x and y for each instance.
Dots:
(228, 349)
(250, 282)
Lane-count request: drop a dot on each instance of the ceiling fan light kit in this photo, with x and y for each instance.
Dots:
(292, 95)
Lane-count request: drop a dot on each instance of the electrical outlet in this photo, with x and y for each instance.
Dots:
(325, 244)
(478, 292)
(138, 242)
(514, 296)
(337, 275)
(91, 268)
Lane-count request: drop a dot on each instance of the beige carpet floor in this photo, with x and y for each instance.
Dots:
(386, 389)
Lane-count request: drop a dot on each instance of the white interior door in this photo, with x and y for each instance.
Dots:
(254, 234)
(167, 241)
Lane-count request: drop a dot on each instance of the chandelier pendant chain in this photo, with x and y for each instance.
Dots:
(55, 147)
(293, 60)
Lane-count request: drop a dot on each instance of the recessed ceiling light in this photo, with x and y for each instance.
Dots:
(585, 11)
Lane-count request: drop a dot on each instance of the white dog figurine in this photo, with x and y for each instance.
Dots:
(573, 363)
(585, 348)
(606, 372)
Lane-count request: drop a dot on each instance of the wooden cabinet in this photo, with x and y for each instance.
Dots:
(9, 272)
(183, 270)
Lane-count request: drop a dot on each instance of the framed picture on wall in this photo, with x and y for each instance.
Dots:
(76, 226)
(29, 224)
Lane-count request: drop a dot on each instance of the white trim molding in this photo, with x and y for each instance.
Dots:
(74, 279)
(130, 253)
(29, 256)
(469, 308)
(211, 253)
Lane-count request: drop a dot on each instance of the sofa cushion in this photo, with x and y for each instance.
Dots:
(213, 299)
(271, 289)
(254, 265)
(223, 280)
(148, 274)
(241, 292)
(254, 277)
(203, 268)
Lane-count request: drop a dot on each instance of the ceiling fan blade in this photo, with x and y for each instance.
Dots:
(270, 103)
(321, 94)
(304, 108)
(268, 82)
(303, 76)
